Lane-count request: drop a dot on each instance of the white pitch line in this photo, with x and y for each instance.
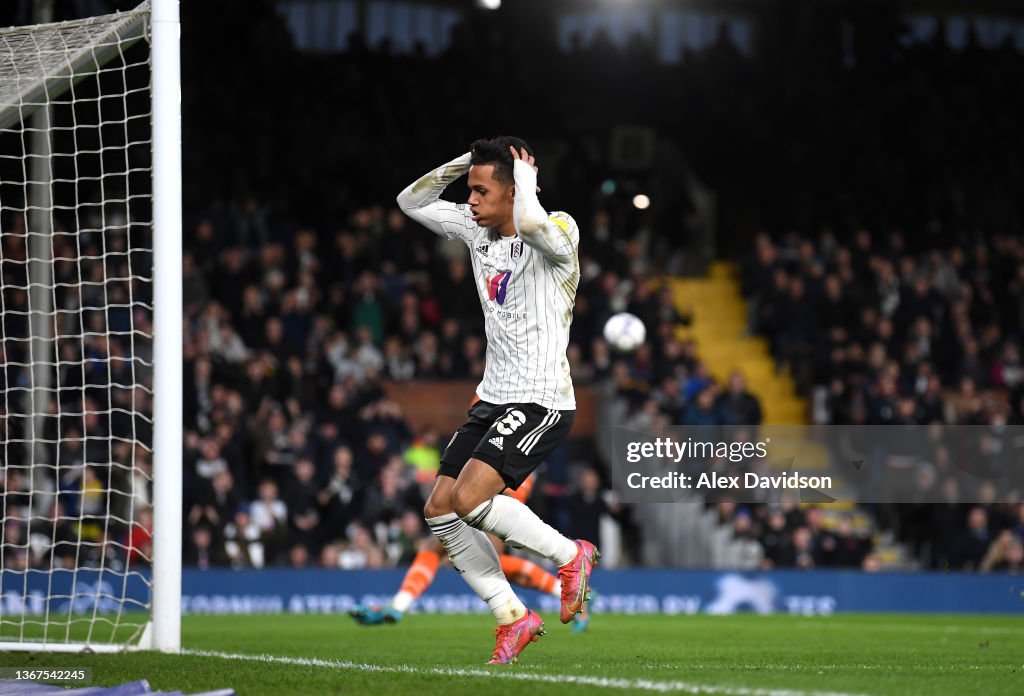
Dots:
(601, 682)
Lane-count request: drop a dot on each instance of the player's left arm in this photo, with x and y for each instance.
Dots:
(554, 236)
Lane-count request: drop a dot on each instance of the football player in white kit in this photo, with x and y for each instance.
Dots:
(526, 268)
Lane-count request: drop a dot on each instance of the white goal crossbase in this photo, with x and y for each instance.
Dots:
(89, 247)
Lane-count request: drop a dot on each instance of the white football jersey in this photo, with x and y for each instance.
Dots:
(527, 288)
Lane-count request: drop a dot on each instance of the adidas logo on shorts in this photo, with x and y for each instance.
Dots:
(498, 442)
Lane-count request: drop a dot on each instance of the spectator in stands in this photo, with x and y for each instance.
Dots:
(737, 405)
(360, 551)
(337, 420)
(587, 505)
(53, 542)
(303, 511)
(841, 548)
(330, 557)
(946, 519)
(341, 499)
(215, 504)
(423, 454)
(274, 444)
(1005, 555)
(102, 551)
(702, 409)
(778, 547)
(390, 496)
(270, 515)
(804, 548)
(16, 489)
(404, 538)
(749, 554)
(298, 556)
(200, 550)
(139, 541)
(93, 505)
(243, 543)
(210, 462)
(969, 548)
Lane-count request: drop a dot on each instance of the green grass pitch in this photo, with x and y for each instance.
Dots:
(740, 655)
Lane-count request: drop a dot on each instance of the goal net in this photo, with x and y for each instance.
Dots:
(77, 335)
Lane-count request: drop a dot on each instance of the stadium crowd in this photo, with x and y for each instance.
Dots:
(300, 298)
(880, 333)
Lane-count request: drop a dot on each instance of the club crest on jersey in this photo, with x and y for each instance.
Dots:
(497, 286)
(517, 250)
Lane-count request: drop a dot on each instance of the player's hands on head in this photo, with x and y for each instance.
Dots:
(525, 156)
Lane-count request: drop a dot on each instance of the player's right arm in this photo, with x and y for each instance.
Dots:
(421, 201)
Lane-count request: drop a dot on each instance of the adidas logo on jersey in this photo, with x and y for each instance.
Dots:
(498, 442)
(483, 249)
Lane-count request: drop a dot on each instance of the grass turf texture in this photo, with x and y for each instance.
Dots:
(742, 655)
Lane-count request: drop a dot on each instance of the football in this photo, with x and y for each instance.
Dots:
(624, 332)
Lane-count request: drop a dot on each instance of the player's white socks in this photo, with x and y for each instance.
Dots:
(474, 557)
(402, 601)
(509, 612)
(508, 519)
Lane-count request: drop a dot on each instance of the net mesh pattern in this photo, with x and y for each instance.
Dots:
(76, 337)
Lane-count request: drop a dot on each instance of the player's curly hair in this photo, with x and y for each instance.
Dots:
(495, 151)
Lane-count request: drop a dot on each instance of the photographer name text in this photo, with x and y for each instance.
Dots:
(716, 481)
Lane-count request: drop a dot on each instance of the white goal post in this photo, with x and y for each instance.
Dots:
(90, 332)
